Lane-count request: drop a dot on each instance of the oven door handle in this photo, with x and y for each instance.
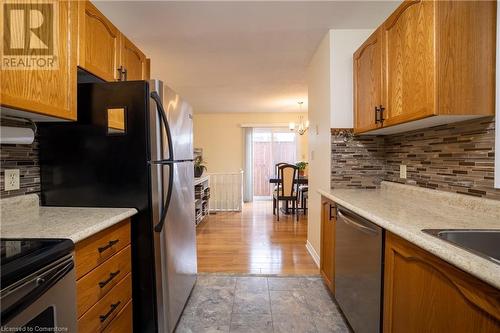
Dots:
(43, 284)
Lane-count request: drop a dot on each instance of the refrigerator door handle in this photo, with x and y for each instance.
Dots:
(163, 116)
(161, 223)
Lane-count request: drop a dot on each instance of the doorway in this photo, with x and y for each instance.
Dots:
(270, 146)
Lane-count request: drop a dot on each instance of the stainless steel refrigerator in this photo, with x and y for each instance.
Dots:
(132, 146)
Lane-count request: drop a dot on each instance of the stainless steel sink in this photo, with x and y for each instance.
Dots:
(483, 242)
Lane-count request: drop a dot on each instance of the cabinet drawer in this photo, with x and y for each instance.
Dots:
(94, 250)
(102, 313)
(123, 321)
(94, 285)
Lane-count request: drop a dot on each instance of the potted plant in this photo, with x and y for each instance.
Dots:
(199, 166)
(302, 165)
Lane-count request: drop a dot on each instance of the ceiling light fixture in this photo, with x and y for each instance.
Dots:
(302, 126)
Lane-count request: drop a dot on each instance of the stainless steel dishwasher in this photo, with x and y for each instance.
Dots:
(358, 270)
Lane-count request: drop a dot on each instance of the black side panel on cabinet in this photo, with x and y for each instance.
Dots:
(83, 164)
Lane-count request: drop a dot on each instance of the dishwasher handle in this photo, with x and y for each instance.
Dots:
(356, 224)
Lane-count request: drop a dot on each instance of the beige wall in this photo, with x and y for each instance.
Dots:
(318, 81)
(220, 135)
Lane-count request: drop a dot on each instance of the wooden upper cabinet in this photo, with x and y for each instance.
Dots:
(147, 69)
(49, 90)
(409, 62)
(132, 60)
(438, 66)
(423, 293)
(368, 83)
(104, 51)
(99, 43)
(466, 35)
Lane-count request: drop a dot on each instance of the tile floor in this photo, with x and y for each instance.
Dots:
(260, 304)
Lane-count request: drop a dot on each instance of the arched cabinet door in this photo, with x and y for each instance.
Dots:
(133, 61)
(99, 43)
(368, 84)
(423, 293)
(409, 62)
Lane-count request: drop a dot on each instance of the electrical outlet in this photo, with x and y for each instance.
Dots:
(11, 181)
(402, 171)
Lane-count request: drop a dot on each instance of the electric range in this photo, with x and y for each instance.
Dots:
(38, 284)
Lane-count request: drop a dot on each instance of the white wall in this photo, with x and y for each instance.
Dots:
(344, 43)
(330, 83)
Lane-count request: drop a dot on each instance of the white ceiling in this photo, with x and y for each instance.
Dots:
(235, 56)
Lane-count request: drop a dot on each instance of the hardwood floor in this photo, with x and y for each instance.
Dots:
(253, 242)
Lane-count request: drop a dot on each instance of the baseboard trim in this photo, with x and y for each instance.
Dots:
(313, 253)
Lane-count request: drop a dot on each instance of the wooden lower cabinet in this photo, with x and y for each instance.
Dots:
(95, 250)
(423, 293)
(104, 281)
(122, 322)
(327, 256)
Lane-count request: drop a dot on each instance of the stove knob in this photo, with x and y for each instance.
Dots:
(39, 281)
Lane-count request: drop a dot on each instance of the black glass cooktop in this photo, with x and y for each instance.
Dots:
(21, 257)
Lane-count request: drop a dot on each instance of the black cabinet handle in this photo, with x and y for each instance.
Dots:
(120, 73)
(381, 110)
(113, 307)
(379, 114)
(124, 72)
(105, 247)
(112, 275)
(332, 215)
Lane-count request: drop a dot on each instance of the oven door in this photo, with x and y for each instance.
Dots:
(43, 300)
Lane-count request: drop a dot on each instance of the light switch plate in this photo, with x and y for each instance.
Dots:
(11, 181)
(402, 171)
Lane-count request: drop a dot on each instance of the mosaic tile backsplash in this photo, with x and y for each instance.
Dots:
(456, 157)
(24, 158)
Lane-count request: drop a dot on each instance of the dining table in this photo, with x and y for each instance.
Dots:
(301, 180)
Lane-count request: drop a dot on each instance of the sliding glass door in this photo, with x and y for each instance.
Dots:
(270, 146)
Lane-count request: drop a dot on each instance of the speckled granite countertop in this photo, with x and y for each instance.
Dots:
(22, 217)
(405, 210)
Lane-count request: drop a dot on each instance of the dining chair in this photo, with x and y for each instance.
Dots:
(303, 197)
(277, 166)
(288, 177)
(276, 171)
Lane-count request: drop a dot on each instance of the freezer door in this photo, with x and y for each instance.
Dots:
(180, 119)
(177, 267)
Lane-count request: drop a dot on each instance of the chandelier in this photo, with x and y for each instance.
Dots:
(302, 126)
